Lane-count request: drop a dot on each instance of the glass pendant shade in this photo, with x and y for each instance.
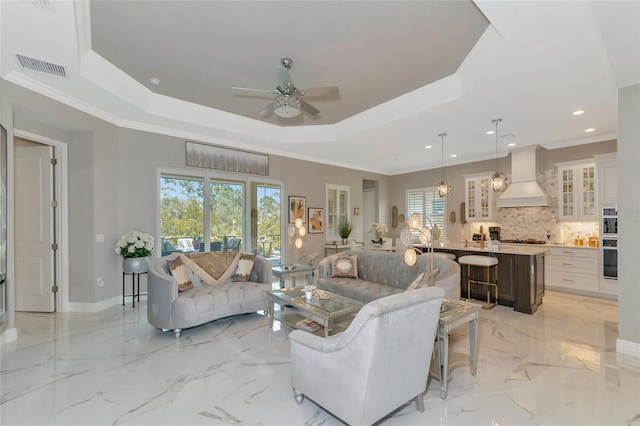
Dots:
(298, 242)
(499, 182)
(302, 232)
(406, 237)
(286, 106)
(292, 230)
(299, 223)
(410, 257)
(444, 189)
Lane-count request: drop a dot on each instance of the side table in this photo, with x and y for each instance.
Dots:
(134, 275)
(282, 272)
(453, 314)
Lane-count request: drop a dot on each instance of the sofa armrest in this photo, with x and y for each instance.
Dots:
(162, 290)
(261, 272)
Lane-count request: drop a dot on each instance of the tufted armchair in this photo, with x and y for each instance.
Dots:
(377, 365)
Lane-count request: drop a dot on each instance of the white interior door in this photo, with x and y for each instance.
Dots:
(34, 272)
(368, 215)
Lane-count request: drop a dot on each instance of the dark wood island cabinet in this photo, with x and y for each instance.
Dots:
(520, 275)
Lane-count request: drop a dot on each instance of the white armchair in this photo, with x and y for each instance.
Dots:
(378, 364)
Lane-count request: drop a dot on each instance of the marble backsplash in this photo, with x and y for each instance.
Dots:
(537, 222)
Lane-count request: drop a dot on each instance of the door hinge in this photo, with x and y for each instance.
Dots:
(54, 204)
(54, 161)
(54, 289)
(54, 246)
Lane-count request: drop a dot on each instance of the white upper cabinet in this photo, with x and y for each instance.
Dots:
(577, 191)
(607, 169)
(479, 198)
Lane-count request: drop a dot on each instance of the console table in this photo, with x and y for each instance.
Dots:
(282, 272)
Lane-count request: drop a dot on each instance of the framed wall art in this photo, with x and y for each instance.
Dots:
(316, 220)
(230, 160)
(297, 208)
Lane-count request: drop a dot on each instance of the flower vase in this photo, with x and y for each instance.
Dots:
(345, 241)
(135, 265)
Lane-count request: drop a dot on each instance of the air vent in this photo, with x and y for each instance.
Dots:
(40, 3)
(42, 67)
(508, 136)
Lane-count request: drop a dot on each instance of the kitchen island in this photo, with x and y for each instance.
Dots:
(520, 272)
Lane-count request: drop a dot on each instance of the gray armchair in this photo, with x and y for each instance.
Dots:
(378, 364)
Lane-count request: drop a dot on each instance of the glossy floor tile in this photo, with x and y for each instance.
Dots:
(557, 367)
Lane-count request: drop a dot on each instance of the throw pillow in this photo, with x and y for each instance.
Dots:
(345, 266)
(212, 267)
(416, 282)
(245, 265)
(179, 272)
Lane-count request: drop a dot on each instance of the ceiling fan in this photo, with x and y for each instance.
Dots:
(287, 102)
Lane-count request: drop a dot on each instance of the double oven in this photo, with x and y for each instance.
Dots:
(609, 242)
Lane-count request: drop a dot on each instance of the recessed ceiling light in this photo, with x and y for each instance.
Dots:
(490, 132)
(454, 155)
(428, 147)
(578, 112)
(154, 81)
(512, 144)
(590, 130)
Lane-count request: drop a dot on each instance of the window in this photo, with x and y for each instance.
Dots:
(204, 211)
(425, 201)
(337, 209)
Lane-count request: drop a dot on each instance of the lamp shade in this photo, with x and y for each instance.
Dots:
(444, 189)
(406, 237)
(299, 223)
(410, 257)
(414, 221)
(302, 232)
(298, 243)
(424, 235)
(499, 182)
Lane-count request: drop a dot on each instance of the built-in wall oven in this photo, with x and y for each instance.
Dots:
(609, 242)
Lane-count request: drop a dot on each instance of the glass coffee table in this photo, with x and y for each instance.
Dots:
(324, 307)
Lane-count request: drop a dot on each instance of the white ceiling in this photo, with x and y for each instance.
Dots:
(406, 71)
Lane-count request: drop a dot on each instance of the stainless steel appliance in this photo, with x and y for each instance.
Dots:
(610, 257)
(609, 242)
(494, 233)
(609, 221)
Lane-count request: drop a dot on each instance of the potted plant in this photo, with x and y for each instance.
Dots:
(135, 247)
(345, 231)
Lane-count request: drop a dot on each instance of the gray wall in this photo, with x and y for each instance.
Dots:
(629, 212)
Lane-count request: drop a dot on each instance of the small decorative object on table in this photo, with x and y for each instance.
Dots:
(308, 291)
(307, 325)
(380, 230)
(135, 247)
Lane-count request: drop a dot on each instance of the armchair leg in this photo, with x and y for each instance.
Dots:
(177, 332)
(419, 403)
(299, 396)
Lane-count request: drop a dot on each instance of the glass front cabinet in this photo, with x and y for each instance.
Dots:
(577, 192)
(479, 198)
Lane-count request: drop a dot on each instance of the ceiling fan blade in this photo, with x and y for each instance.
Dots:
(243, 91)
(267, 110)
(308, 108)
(283, 77)
(321, 91)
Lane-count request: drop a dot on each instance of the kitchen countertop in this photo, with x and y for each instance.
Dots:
(522, 249)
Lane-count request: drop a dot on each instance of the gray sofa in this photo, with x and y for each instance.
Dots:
(169, 310)
(382, 274)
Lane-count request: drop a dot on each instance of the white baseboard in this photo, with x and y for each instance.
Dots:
(9, 335)
(628, 348)
(102, 305)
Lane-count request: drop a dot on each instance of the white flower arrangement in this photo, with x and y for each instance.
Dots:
(135, 244)
(380, 228)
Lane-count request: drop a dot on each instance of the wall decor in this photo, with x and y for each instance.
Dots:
(452, 216)
(316, 220)
(297, 208)
(230, 160)
(394, 217)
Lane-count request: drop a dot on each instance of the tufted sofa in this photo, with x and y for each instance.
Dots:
(169, 310)
(382, 274)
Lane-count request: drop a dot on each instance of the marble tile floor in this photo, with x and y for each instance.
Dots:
(557, 367)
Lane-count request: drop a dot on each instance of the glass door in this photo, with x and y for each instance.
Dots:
(226, 215)
(181, 214)
(266, 207)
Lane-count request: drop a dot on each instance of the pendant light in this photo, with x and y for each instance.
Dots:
(499, 181)
(444, 188)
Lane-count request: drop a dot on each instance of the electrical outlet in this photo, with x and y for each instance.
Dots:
(100, 282)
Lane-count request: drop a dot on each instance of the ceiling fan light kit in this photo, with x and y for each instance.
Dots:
(287, 102)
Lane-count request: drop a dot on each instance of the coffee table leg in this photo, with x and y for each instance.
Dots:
(271, 314)
(473, 344)
(443, 356)
(328, 328)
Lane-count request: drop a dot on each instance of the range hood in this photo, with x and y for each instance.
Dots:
(524, 190)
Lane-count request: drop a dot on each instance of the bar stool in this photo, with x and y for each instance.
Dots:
(446, 255)
(486, 262)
